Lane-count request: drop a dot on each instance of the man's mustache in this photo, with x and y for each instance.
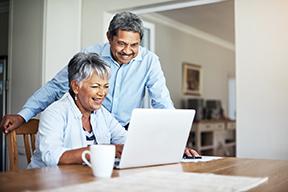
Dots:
(124, 54)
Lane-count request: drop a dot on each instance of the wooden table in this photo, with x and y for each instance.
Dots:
(48, 178)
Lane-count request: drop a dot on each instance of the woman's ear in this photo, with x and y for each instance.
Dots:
(74, 86)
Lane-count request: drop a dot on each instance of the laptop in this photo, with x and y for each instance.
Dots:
(155, 137)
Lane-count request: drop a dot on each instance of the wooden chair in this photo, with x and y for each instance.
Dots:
(28, 130)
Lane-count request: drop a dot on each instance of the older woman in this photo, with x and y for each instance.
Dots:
(68, 126)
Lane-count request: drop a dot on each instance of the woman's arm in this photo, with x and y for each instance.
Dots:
(72, 156)
(118, 133)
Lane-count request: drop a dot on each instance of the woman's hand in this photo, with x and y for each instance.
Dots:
(118, 150)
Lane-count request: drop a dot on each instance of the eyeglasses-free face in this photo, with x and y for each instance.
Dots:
(90, 93)
(125, 46)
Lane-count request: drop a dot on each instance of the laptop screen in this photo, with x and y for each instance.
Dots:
(156, 136)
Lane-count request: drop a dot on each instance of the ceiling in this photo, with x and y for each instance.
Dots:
(216, 18)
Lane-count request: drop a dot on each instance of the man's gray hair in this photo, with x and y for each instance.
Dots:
(125, 21)
(83, 65)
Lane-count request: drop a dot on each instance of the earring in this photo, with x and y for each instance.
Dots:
(75, 98)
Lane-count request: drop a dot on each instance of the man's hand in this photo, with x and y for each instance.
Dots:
(191, 152)
(10, 122)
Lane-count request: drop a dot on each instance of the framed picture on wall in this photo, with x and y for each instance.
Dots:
(191, 82)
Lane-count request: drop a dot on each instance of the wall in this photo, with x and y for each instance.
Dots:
(25, 56)
(62, 34)
(218, 64)
(261, 72)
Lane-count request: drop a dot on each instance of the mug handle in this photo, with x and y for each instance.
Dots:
(83, 156)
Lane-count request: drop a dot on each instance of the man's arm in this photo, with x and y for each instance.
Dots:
(42, 98)
(10, 122)
(47, 94)
(157, 89)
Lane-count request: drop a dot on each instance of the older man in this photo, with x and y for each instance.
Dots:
(133, 69)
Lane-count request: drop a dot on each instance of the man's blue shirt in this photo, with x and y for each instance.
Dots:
(127, 85)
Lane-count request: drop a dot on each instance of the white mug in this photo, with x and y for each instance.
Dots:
(102, 159)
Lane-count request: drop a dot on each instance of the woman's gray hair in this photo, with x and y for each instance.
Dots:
(125, 21)
(83, 65)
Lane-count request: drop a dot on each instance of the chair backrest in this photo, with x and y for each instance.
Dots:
(28, 130)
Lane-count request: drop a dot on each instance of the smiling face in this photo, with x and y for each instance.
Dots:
(90, 93)
(125, 46)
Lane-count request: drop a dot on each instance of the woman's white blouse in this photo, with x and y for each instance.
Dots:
(60, 129)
